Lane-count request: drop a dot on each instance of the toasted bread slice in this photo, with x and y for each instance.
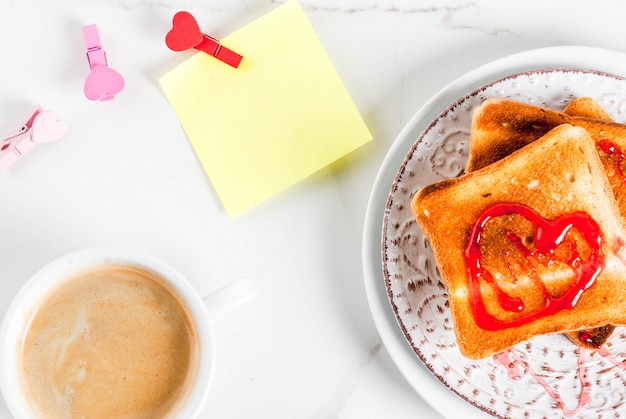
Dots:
(505, 302)
(582, 107)
(590, 338)
(501, 126)
(588, 108)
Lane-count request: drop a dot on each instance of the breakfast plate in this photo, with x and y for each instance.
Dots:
(547, 376)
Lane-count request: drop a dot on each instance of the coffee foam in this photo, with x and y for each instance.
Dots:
(110, 341)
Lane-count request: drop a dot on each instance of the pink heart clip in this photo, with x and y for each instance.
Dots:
(40, 127)
(47, 128)
(102, 83)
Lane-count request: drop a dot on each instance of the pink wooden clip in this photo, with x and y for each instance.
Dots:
(40, 127)
(102, 83)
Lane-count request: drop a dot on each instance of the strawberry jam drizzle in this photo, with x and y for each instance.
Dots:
(548, 235)
(514, 366)
(611, 148)
(607, 355)
(512, 362)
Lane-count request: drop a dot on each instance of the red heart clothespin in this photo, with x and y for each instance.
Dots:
(185, 34)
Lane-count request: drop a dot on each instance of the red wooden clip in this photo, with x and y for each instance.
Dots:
(185, 34)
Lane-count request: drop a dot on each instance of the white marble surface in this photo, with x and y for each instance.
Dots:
(125, 175)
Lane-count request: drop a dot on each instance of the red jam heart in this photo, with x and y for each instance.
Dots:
(185, 33)
(548, 236)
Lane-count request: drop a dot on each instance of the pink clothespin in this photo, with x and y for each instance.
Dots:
(185, 34)
(40, 127)
(102, 83)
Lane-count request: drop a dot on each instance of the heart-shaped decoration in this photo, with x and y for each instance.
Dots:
(46, 128)
(103, 83)
(185, 33)
(550, 243)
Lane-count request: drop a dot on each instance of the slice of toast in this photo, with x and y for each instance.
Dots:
(582, 107)
(501, 279)
(589, 338)
(501, 126)
(588, 108)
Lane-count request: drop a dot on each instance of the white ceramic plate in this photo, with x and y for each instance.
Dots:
(407, 298)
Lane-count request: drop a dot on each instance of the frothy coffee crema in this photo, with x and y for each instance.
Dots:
(110, 342)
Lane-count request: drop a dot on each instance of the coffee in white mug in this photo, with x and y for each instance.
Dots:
(109, 341)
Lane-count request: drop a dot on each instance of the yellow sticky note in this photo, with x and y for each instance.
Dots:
(282, 115)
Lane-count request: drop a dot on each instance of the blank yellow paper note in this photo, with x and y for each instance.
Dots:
(281, 116)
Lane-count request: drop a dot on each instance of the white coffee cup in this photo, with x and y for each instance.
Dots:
(202, 311)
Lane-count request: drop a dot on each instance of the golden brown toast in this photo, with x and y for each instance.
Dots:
(490, 231)
(588, 108)
(582, 107)
(501, 126)
(589, 338)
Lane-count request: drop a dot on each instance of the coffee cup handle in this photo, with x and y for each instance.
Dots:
(230, 296)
